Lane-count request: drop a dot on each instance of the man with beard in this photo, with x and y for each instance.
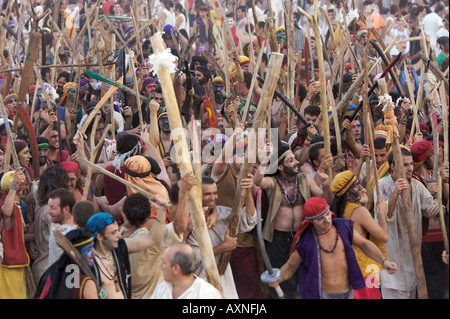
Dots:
(62, 79)
(43, 147)
(202, 75)
(60, 204)
(402, 285)
(165, 136)
(287, 190)
(432, 237)
(53, 151)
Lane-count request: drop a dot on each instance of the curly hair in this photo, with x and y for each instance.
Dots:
(52, 178)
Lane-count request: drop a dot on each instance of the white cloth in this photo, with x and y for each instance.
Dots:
(432, 22)
(54, 251)
(200, 289)
(170, 17)
(398, 248)
(217, 235)
(396, 34)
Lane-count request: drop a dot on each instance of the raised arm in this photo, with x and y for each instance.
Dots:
(153, 237)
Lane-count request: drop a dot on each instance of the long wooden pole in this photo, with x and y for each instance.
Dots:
(406, 213)
(185, 166)
(121, 180)
(323, 91)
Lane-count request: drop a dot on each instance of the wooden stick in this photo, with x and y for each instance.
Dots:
(441, 213)
(323, 94)
(417, 105)
(102, 101)
(252, 85)
(185, 166)
(337, 129)
(366, 108)
(94, 151)
(444, 120)
(136, 87)
(262, 111)
(10, 137)
(123, 181)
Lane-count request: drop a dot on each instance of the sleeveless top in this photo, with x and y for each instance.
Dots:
(310, 277)
(367, 265)
(15, 253)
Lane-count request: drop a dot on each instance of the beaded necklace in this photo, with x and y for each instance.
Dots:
(334, 247)
(291, 203)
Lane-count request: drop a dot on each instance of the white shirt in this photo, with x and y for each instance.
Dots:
(200, 289)
(432, 22)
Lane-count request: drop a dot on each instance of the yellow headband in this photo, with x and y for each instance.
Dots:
(84, 242)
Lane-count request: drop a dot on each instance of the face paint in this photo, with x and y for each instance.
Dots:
(87, 252)
(72, 94)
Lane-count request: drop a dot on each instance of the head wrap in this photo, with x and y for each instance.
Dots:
(66, 88)
(91, 105)
(380, 130)
(79, 237)
(84, 85)
(19, 145)
(314, 207)
(420, 151)
(341, 183)
(7, 180)
(70, 166)
(42, 142)
(424, 127)
(218, 80)
(99, 221)
(31, 89)
(138, 172)
(148, 81)
(361, 32)
(8, 97)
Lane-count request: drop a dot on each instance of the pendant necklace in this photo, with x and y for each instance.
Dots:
(293, 201)
(110, 276)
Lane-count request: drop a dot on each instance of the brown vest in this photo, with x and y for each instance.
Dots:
(275, 201)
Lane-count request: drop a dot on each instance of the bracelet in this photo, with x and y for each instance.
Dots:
(13, 186)
(382, 263)
(307, 143)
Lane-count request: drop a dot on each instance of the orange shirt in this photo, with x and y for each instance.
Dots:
(376, 22)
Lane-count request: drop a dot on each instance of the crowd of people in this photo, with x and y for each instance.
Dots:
(352, 206)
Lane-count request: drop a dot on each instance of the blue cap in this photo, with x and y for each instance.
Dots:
(99, 221)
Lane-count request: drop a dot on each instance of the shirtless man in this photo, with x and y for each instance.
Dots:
(339, 270)
(111, 263)
(287, 190)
